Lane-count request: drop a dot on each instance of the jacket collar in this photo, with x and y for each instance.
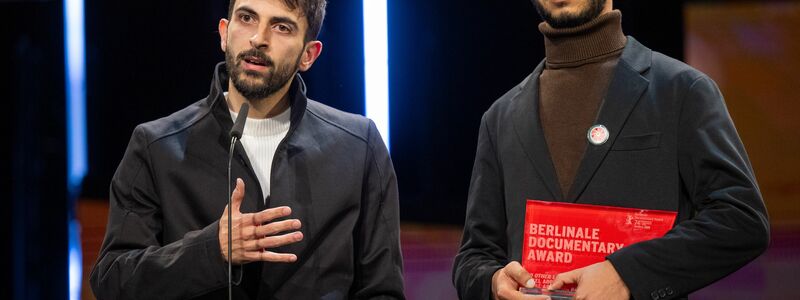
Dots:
(530, 133)
(219, 108)
(627, 86)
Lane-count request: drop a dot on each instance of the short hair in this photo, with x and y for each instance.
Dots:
(312, 10)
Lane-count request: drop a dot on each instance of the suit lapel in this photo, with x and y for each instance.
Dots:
(530, 134)
(624, 92)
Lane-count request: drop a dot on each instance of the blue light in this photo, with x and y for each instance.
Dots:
(75, 260)
(77, 158)
(76, 95)
(376, 65)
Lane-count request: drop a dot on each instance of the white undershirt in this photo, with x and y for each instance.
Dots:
(260, 139)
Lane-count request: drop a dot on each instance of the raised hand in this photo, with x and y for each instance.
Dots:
(252, 234)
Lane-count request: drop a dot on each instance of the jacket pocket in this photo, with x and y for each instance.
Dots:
(637, 142)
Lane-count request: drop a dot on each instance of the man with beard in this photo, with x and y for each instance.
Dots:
(605, 120)
(315, 208)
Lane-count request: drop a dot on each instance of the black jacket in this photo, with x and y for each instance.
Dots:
(672, 146)
(169, 193)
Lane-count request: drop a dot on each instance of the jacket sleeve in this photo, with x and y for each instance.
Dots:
(729, 226)
(484, 241)
(133, 262)
(379, 262)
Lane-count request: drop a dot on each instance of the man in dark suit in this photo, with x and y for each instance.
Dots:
(605, 120)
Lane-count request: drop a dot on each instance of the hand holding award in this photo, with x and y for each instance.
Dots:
(565, 245)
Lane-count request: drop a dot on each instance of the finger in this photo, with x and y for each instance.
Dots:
(273, 241)
(509, 291)
(570, 277)
(269, 256)
(238, 195)
(519, 274)
(248, 229)
(277, 227)
(271, 214)
(225, 216)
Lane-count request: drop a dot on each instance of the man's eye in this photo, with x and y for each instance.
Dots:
(246, 18)
(283, 28)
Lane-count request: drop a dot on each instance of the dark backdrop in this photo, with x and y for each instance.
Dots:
(449, 60)
(35, 202)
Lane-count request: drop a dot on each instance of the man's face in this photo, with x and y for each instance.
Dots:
(264, 45)
(569, 13)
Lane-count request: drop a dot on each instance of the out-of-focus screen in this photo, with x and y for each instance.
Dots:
(752, 51)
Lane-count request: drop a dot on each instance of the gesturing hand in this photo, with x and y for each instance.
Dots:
(597, 281)
(253, 233)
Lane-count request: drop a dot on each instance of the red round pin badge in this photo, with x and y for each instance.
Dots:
(597, 135)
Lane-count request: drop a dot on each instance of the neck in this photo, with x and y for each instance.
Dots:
(268, 107)
(600, 37)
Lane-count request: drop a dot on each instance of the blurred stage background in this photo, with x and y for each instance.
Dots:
(448, 61)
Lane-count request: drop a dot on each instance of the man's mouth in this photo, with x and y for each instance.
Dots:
(256, 63)
(253, 60)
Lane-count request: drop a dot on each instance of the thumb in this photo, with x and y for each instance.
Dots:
(238, 195)
(520, 275)
(570, 277)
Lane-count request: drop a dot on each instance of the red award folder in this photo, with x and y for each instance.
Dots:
(560, 237)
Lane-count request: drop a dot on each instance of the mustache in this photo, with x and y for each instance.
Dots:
(256, 54)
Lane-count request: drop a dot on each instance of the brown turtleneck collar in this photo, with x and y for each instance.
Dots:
(569, 47)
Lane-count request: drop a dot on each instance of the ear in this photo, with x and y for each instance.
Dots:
(310, 54)
(223, 34)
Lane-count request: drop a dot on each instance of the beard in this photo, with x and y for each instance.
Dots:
(594, 9)
(260, 85)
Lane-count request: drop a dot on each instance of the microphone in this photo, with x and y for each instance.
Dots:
(236, 134)
(238, 126)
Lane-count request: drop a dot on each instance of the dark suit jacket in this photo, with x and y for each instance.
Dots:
(672, 146)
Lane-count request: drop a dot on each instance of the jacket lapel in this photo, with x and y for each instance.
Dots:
(530, 134)
(624, 92)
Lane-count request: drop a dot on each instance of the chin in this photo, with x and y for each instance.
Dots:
(567, 10)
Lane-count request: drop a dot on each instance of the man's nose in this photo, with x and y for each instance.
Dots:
(260, 40)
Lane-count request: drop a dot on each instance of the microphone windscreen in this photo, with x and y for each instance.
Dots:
(238, 126)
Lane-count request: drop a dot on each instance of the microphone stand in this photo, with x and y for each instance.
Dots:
(236, 134)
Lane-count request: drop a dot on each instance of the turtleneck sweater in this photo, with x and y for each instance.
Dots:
(579, 64)
(260, 140)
